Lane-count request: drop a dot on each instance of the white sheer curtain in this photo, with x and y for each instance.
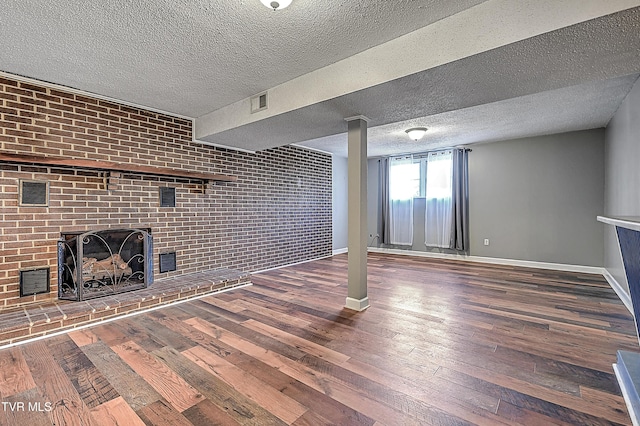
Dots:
(404, 184)
(438, 195)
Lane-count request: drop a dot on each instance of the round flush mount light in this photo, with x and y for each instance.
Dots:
(276, 5)
(416, 133)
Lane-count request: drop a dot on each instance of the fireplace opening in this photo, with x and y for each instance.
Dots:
(99, 263)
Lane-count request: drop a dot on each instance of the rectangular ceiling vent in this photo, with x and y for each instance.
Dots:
(259, 102)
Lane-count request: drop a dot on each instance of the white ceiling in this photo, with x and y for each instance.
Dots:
(191, 57)
(567, 70)
(555, 111)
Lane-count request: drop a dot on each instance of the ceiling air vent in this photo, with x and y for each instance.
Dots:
(259, 102)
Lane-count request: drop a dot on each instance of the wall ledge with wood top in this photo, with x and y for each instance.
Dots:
(627, 368)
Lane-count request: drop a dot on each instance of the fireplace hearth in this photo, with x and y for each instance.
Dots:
(106, 262)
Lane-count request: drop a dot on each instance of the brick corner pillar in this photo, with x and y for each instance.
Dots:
(357, 220)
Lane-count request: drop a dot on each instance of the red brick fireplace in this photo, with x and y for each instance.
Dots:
(278, 211)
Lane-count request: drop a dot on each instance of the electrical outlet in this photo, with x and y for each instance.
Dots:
(486, 241)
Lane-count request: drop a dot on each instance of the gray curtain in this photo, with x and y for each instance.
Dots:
(460, 201)
(384, 217)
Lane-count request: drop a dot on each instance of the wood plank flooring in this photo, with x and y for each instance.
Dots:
(443, 343)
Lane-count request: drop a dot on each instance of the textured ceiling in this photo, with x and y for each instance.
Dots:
(191, 57)
(591, 51)
(555, 111)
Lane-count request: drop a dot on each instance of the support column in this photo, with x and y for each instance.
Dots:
(357, 219)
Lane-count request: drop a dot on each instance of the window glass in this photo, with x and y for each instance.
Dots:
(404, 180)
(439, 174)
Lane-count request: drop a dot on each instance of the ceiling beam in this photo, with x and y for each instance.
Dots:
(485, 27)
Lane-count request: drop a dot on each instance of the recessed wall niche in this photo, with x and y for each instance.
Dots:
(34, 193)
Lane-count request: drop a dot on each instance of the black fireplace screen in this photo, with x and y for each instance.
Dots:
(100, 263)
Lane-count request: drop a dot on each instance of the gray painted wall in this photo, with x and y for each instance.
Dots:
(373, 202)
(622, 178)
(339, 202)
(537, 198)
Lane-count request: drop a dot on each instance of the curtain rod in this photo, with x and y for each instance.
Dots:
(418, 154)
(426, 153)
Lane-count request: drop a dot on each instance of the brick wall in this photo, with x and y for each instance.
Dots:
(278, 212)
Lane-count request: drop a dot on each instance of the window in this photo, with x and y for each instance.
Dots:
(404, 185)
(404, 179)
(422, 176)
(426, 176)
(439, 191)
(439, 174)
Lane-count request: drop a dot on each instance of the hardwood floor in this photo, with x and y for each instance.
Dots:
(443, 343)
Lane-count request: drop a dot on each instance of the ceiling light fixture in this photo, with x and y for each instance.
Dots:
(416, 133)
(276, 5)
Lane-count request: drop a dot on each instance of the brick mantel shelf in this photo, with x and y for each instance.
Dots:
(114, 167)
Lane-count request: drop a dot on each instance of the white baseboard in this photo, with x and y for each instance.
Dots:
(625, 394)
(619, 289)
(495, 260)
(615, 285)
(357, 304)
(622, 294)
